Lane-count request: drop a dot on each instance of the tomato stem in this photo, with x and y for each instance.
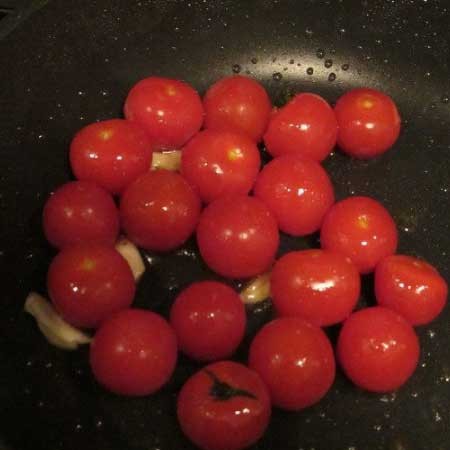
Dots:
(223, 391)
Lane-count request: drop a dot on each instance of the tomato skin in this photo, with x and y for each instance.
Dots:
(410, 286)
(320, 286)
(220, 163)
(360, 228)
(89, 282)
(169, 110)
(134, 353)
(224, 424)
(369, 123)
(209, 320)
(305, 126)
(111, 153)
(237, 236)
(80, 211)
(297, 191)
(237, 104)
(159, 210)
(295, 360)
(378, 349)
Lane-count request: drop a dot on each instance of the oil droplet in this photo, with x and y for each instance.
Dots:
(328, 63)
(277, 76)
(236, 68)
(309, 70)
(445, 99)
(345, 66)
(320, 53)
(254, 60)
(331, 76)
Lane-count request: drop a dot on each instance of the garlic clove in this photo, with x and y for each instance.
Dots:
(131, 254)
(56, 330)
(256, 290)
(170, 160)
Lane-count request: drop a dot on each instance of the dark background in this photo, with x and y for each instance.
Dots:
(64, 64)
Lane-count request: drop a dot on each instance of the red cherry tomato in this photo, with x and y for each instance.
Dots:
(320, 286)
(411, 287)
(295, 360)
(369, 123)
(224, 406)
(237, 236)
(111, 153)
(378, 349)
(297, 191)
(360, 228)
(134, 353)
(305, 126)
(238, 104)
(220, 163)
(89, 282)
(209, 320)
(169, 110)
(80, 211)
(159, 210)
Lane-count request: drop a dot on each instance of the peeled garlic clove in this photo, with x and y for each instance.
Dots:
(257, 290)
(131, 253)
(167, 160)
(56, 330)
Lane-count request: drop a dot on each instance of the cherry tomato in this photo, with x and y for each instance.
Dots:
(169, 110)
(111, 153)
(360, 228)
(159, 210)
(237, 236)
(239, 104)
(89, 282)
(369, 123)
(224, 406)
(305, 126)
(411, 287)
(295, 360)
(134, 352)
(220, 163)
(80, 211)
(378, 349)
(209, 320)
(320, 286)
(297, 191)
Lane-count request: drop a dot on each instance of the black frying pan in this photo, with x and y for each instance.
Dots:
(71, 63)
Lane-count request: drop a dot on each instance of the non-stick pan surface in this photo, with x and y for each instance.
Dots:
(71, 63)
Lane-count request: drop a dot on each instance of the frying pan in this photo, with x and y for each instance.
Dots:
(70, 63)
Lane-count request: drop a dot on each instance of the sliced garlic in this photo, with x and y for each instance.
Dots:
(131, 253)
(256, 290)
(56, 330)
(170, 160)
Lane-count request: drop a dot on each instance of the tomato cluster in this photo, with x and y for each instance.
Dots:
(291, 363)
